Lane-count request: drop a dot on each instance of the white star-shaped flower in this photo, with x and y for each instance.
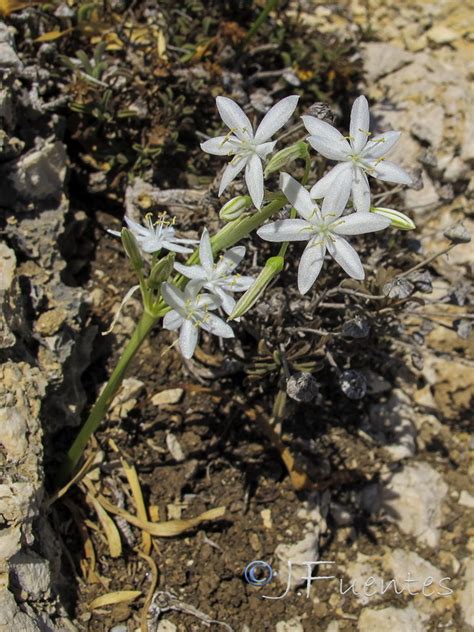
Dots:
(322, 229)
(248, 148)
(153, 237)
(358, 157)
(218, 277)
(189, 313)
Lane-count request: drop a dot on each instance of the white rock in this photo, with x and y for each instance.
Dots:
(466, 499)
(166, 626)
(170, 396)
(361, 571)
(413, 500)
(465, 597)
(175, 448)
(304, 551)
(293, 625)
(408, 565)
(126, 398)
(31, 572)
(456, 169)
(441, 34)
(382, 59)
(40, 174)
(392, 620)
(13, 436)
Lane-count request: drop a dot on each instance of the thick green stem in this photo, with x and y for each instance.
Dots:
(101, 406)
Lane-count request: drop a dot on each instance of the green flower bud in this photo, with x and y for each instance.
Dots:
(399, 220)
(130, 246)
(285, 156)
(234, 208)
(272, 268)
(161, 271)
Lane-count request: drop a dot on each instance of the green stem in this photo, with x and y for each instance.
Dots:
(101, 406)
(225, 238)
(267, 9)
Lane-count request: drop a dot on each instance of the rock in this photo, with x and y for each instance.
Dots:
(392, 425)
(292, 625)
(175, 448)
(425, 199)
(382, 59)
(302, 387)
(428, 125)
(392, 619)
(166, 626)
(359, 571)
(403, 565)
(466, 500)
(170, 396)
(9, 303)
(31, 573)
(413, 500)
(126, 398)
(9, 60)
(465, 600)
(441, 34)
(38, 175)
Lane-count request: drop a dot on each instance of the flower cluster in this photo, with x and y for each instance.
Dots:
(334, 208)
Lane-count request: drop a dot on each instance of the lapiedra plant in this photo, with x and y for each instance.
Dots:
(198, 294)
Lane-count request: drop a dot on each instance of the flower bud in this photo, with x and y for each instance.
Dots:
(272, 268)
(234, 208)
(130, 245)
(399, 220)
(161, 271)
(285, 156)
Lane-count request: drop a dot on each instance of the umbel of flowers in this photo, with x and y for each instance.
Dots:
(200, 292)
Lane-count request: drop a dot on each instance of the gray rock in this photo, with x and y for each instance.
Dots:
(391, 423)
(31, 573)
(465, 599)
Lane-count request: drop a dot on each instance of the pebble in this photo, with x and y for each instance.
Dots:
(392, 619)
(441, 34)
(170, 396)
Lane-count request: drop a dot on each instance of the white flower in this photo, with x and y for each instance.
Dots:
(217, 277)
(248, 149)
(360, 156)
(190, 311)
(156, 236)
(323, 229)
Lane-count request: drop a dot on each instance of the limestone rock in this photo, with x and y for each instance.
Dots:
(382, 59)
(391, 619)
(413, 499)
(465, 599)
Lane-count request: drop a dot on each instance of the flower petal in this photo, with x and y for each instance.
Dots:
(236, 283)
(232, 170)
(254, 179)
(227, 301)
(208, 301)
(360, 123)
(360, 191)
(230, 260)
(172, 320)
(173, 296)
(310, 265)
(322, 187)
(330, 150)
(215, 325)
(235, 118)
(298, 196)
(264, 149)
(389, 171)
(205, 252)
(168, 245)
(335, 200)
(138, 229)
(188, 337)
(360, 223)
(191, 272)
(275, 118)
(221, 145)
(324, 131)
(286, 230)
(346, 257)
(381, 144)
